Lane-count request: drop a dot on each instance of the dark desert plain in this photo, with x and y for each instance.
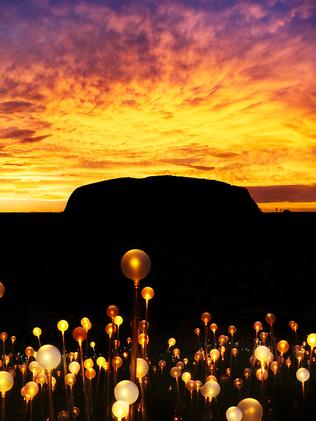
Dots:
(211, 248)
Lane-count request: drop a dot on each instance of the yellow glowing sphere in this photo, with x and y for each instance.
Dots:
(211, 389)
(251, 409)
(148, 293)
(117, 362)
(41, 378)
(135, 265)
(74, 367)
(186, 376)
(262, 374)
(31, 389)
(311, 340)
(3, 336)
(206, 317)
(257, 326)
(70, 379)
(13, 339)
(118, 320)
(233, 414)
(6, 382)
(2, 290)
(37, 331)
(175, 372)
(100, 361)
(34, 366)
(171, 342)
(176, 352)
(142, 368)
(262, 354)
(84, 322)
(90, 373)
(302, 375)
(143, 339)
(211, 377)
(62, 325)
(283, 346)
(270, 318)
(48, 357)
(105, 366)
(126, 391)
(214, 354)
(92, 344)
(185, 360)
(79, 334)
(88, 363)
(29, 351)
(120, 409)
(110, 329)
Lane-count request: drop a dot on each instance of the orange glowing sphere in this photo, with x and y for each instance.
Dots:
(232, 330)
(311, 340)
(175, 372)
(4, 336)
(31, 389)
(41, 378)
(264, 336)
(293, 325)
(110, 329)
(211, 377)
(262, 374)
(223, 339)
(185, 360)
(257, 326)
(6, 382)
(238, 383)
(112, 311)
(70, 379)
(171, 342)
(197, 331)
(29, 351)
(235, 352)
(186, 376)
(274, 366)
(117, 362)
(247, 373)
(180, 364)
(13, 339)
(90, 373)
(147, 293)
(135, 265)
(190, 385)
(37, 331)
(74, 367)
(251, 409)
(2, 290)
(198, 356)
(120, 409)
(62, 325)
(162, 364)
(79, 334)
(176, 352)
(270, 318)
(206, 317)
(88, 363)
(213, 327)
(214, 354)
(84, 321)
(143, 339)
(23, 368)
(283, 346)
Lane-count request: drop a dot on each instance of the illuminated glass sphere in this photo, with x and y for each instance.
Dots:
(6, 382)
(79, 334)
(31, 389)
(185, 360)
(62, 325)
(70, 379)
(238, 383)
(213, 327)
(74, 367)
(143, 339)
(127, 391)
(270, 318)
(232, 330)
(214, 354)
(180, 364)
(197, 331)
(90, 373)
(135, 265)
(120, 409)
(110, 329)
(117, 361)
(257, 326)
(48, 357)
(175, 372)
(190, 385)
(262, 374)
(176, 352)
(222, 339)
(2, 290)
(311, 340)
(171, 342)
(302, 375)
(162, 364)
(211, 389)
(147, 293)
(13, 339)
(118, 320)
(37, 331)
(274, 367)
(3, 336)
(186, 376)
(262, 354)
(34, 366)
(211, 377)
(85, 323)
(92, 344)
(112, 311)
(283, 346)
(233, 414)
(251, 409)
(198, 356)
(29, 351)
(41, 378)
(88, 363)
(100, 361)
(142, 368)
(206, 317)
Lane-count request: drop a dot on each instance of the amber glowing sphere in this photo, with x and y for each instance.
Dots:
(293, 325)
(147, 293)
(232, 330)
(162, 364)
(247, 373)
(100, 361)
(86, 324)
(283, 346)
(211, 389)
(29, 351)
(274, 367)
(190, 385)
(175, 372)
(135, 265)
(302, 375)
(13, 339)
(311, 340)
(251, 409)
(112, 311)
(214, 354)
(262, 374)
(37, 331)
(238, 383)
(117, 362)
(143, 325)
(92, 344)
(233, 413)
(3, 336)
(176, 352)
(120, 409)
(186, 376)
(257, 326)
(171, 342)
(223, 339)
(90, 373)
(41, 378)
(6, 382)
(213, 327)
(143, 339)
(110, 329)
(197, 331)
(185, 360)
(62, 325)
(88, 363)
(31, 389)
(79, 334)
(142, 368)
(206, 317)
(270, 318)
(74, 367)
(2, 290)
(118, 320)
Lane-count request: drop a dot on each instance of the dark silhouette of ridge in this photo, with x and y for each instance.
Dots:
(156, 206)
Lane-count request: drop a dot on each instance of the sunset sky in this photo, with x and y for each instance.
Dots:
(96, 89)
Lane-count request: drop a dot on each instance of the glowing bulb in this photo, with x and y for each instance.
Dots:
(62, 325)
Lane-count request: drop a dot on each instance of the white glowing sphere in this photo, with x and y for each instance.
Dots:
(48, 357)
(126, 391)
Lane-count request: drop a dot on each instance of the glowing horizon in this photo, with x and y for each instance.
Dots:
(98, 90)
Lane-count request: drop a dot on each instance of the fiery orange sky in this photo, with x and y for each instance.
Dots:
(92, 90)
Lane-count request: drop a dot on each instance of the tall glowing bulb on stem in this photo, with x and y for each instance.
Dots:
(120, 409)
(302, 375)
